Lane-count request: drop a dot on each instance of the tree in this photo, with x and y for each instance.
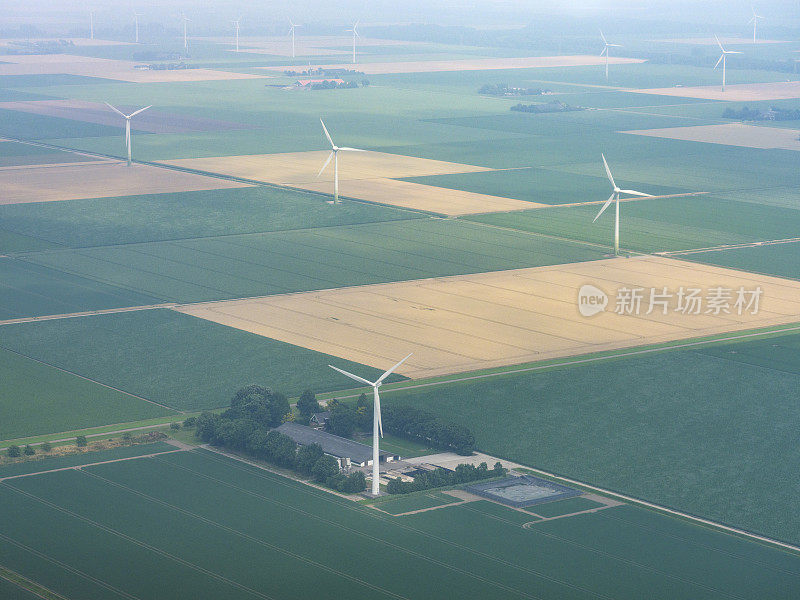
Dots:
(46, 446)
(354, 483)
(175, 425)
(189, 422)
(207, 424)
(307, 404)
(326, 466)
(28, 450)
(81, 441)
(342, 421)
(14, 451)
(307, 456)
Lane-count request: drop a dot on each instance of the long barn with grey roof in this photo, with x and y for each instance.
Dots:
(347, 451)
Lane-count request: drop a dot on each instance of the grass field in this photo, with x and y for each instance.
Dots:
(273, 263)
(180, 215)
(564, 507)
(774, 259)
(166, 357)
(420, 501)
(272, 538)
(661, 224)
(696, 430)
(36, 398)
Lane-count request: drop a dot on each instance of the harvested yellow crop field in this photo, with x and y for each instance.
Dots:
(478, 64)
(463, 323)
(745, 92)
(121, 70)
(47, 183)
(730, 134)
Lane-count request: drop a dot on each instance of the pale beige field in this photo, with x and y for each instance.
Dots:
(79, 42)
(122, 70)
(730, 134)
(744, 92)
(47, 183)
(462, 323)
(477, 64)
(423, 197)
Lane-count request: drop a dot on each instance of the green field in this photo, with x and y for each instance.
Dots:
(661, 224)
(167, 357)
(158, 217)
(697, 430)
(262, 264)
(249, 533)
(775, 259)
(564, 507)
(418, 501)
(37, 398)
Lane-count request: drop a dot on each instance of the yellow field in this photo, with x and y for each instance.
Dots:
(745, 92)
(462, 323)
(122, 70)
(100, 179)
(363, 175)
(477, 64)
(731, 134)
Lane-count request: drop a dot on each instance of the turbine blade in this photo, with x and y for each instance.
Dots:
(719, 43)
(327, 162)
(351, 149)
(119, 112)
(327, 135)
(719, 61)
(605, 206)
(616, 45)
(605, 41)
(635, 193)
(133, 114)
(604, 51)
(608, 172)
(377, 401)
(354, 377)
(389, 372)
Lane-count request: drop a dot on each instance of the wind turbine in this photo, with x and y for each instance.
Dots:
(91, 24)
(615, 197)
(723, 59)
(236, 24)
(605, 50)
(754, 21)
(185, 38)
(127, 126)
(335, 156)
(292, 27)
(377, 426)
(136, 21)
(355, 35)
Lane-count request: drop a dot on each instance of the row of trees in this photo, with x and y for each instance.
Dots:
(757, 114)
(426, 427)
(442, 477)
(550, 107)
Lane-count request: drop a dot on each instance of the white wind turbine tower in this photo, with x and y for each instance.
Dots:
(615, 197)
(723, 59)
(605, 50)
(335, 156)
(127, 126)
(754, 21)
(185, 37)
(377, 426)
(91, 24)
(236, 25)
(136, 22)
(355, 35)
(292, 27)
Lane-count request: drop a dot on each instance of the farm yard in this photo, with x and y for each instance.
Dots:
(136, 297)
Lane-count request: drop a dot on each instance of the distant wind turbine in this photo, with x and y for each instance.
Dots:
(605, 50)
(723, 59)
(754, 21)
(127, 126)
(355, 35)
(185, 36)
(335, 156)
(136, 21)
(236, 25)
(292, 27)
(615, 198)
(91, 24)
(377, 425)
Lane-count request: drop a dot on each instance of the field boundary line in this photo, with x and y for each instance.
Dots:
(87, 313)
(729, 247)
(29, 585)
(105, 385)
(100, 462)
(676, 513)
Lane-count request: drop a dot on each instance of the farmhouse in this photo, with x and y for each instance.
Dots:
(347, 452)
